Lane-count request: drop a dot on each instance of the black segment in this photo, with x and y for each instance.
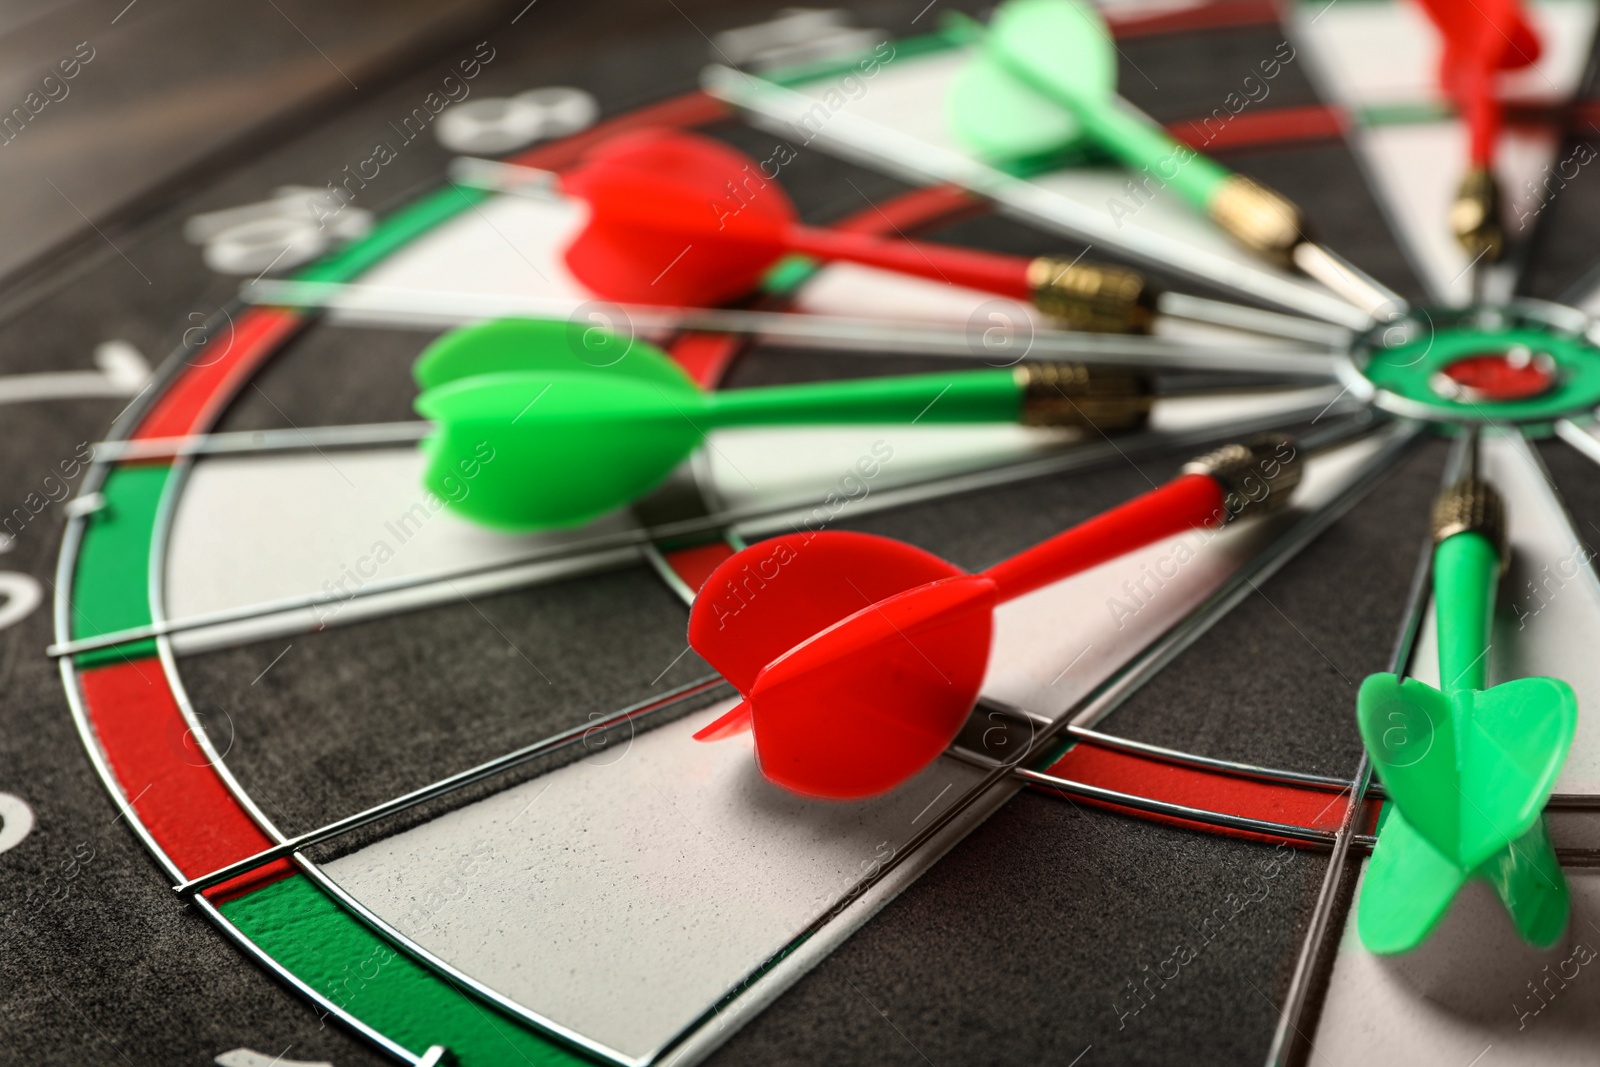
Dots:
(1020, 947)
(1178, 77)
(333, 376)
(359, 714)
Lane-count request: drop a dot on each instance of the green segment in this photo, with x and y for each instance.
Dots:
(1405, 114)
(111, 580)
(1465, 569)
(328, 949)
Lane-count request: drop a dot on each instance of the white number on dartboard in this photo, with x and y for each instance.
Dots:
(16, 821)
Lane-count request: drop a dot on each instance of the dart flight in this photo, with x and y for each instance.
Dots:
(1467, 769)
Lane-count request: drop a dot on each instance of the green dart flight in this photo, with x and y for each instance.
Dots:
(1467, 770)
(1044, 80)
(580, 421)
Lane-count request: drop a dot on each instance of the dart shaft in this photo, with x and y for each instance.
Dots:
(989, 271)
(966, 396)
(1187, 502)
(1466, 567)
(1141, 146)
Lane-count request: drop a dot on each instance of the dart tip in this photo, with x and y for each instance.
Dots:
(1475, 216)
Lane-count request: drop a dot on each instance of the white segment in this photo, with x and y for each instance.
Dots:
(1549, 610)
(257, 530)
(1463, 997)
(628, 892)
(509, 245)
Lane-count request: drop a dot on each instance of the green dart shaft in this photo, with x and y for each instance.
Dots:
(969, 396)
(1466, 567)
(1138, 144)
(1133, 139)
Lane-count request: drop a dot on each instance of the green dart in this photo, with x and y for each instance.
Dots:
(1467, 770)
(546, 424)
(1044, 81)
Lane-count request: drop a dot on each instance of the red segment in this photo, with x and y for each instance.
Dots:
(1250, 129)
(1310, 807)
(178, 796)
(1513, 375)
(706, 356)
(695, 565)
(215, 372)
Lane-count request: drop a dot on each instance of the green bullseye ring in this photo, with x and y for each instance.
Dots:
(1404, 361)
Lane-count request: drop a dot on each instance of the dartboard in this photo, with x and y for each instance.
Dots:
(350, 715)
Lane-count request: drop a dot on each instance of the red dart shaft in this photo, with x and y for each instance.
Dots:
(989, 271)
(1185, 503)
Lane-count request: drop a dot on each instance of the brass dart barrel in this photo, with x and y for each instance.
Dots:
(1072, 394)
(1257, 476)
(1093, 297)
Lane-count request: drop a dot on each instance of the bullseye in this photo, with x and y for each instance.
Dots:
(1518, 373)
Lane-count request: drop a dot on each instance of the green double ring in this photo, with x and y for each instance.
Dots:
(1403, 362)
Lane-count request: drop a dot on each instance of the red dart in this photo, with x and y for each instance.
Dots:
(860, 657)
(677, 218)
(1481, 39)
